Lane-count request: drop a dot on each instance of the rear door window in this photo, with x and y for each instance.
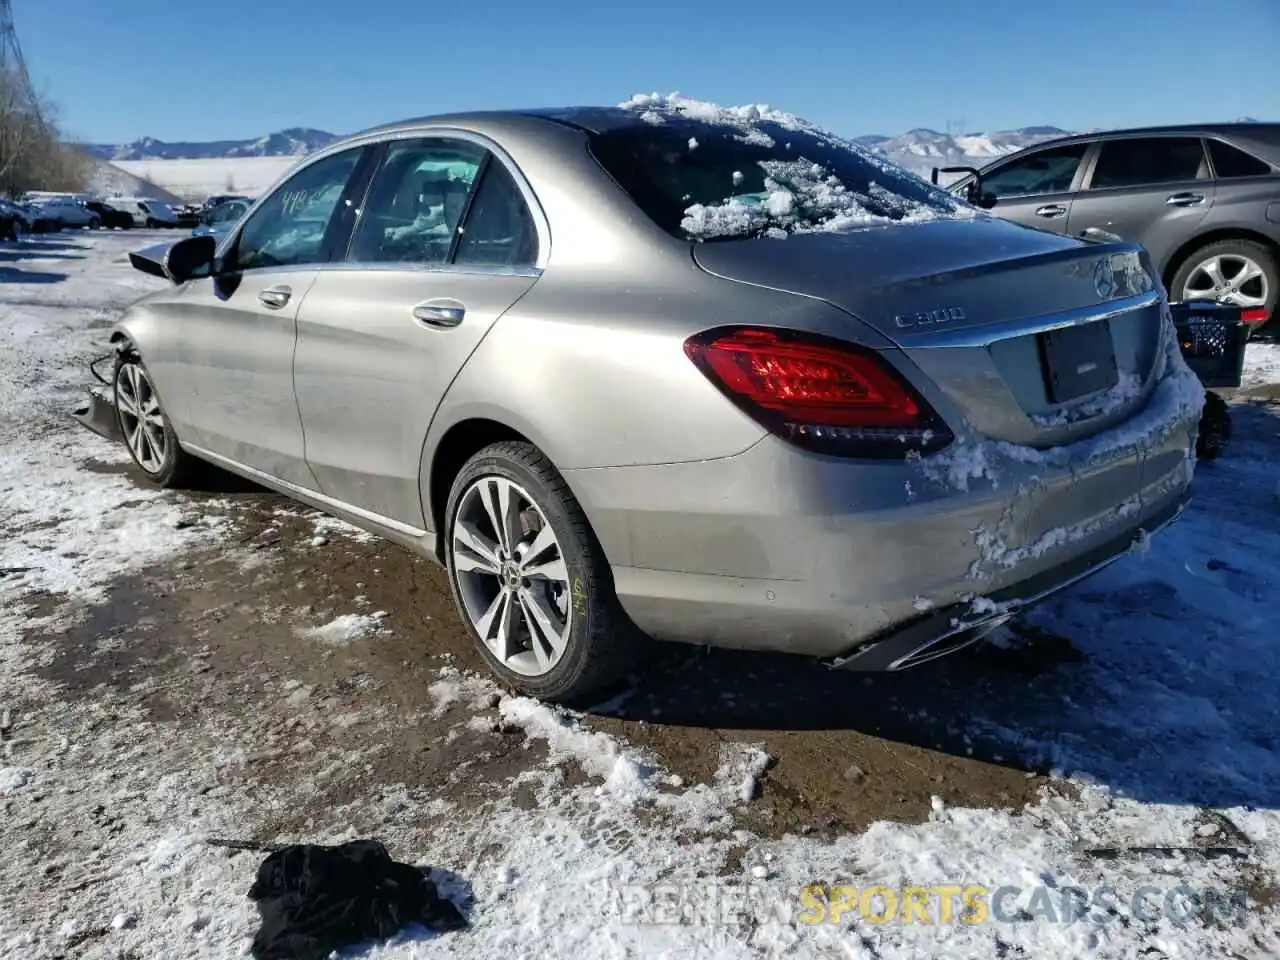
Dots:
(416, 202)
(499, 229)
(1148, 161)
(1231, 162)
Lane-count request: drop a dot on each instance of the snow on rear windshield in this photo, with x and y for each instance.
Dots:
(706, 172)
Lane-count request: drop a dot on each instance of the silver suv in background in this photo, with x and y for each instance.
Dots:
(1203, 200)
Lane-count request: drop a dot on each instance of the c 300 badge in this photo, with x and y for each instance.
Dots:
(928, 318)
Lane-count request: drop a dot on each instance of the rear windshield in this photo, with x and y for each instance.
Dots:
(703, 180)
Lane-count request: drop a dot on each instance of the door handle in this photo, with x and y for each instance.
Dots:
(1185, 200)
(275, 297)
(439, 313)
(1051, 211)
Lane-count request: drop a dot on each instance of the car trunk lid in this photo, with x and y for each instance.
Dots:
(1034, 338)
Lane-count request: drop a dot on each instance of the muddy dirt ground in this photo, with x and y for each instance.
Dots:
(221, 627)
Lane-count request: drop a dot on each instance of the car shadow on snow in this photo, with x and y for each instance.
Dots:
(13, 275)
(1159, 677)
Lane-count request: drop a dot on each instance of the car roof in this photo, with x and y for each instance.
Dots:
(584, 118)
(1266, 135)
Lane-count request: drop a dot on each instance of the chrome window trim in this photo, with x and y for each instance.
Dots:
(540, 221)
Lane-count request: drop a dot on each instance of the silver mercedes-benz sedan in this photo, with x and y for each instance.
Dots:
(673, 371)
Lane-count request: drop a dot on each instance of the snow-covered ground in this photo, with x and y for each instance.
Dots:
(201, 178)
(1165, 740)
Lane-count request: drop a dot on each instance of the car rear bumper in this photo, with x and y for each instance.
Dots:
(779, 550)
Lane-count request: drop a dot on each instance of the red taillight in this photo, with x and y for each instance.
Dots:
(821, 394)
(1254, 317)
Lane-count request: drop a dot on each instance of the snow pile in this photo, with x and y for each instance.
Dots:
(624, 774)
(346, 629)
(1261, 364)
(1126, 390)
(800, 196)
(1177, 399)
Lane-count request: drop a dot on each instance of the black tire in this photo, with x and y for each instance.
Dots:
(603, 644)
(1215, 428)
(177, 469)
(95, 224)
(1259, 253)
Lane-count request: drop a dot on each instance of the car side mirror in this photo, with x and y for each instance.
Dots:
(190, 258)
(983, 199)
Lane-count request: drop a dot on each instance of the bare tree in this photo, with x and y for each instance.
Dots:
(33, 155)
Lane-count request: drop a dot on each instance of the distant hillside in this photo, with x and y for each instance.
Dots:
(923, 149)
(294, 142)
(108, 181)
(919, 150)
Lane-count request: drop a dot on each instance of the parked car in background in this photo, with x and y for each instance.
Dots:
(67, 211)
(111, 217)
(32, 219)
(12, 221)
(1203, 200)
(954, 416)
(218, 221)
(188, 214)
(147, 211)
(218, 199)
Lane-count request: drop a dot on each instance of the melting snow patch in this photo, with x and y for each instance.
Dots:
(741, 765)
(599, 755)
(346, 629)
(1261, 364)
(13, 779)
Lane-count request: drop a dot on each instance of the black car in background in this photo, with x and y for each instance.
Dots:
(1204, 201)
(19, 218)
(110, 216)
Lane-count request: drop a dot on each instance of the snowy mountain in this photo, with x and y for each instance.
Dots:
(294, 142)
(922, 149)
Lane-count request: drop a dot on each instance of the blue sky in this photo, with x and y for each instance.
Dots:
(191, 70)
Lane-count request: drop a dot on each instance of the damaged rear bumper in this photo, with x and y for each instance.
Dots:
(938, 633)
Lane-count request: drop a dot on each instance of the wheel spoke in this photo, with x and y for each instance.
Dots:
(481, 553)
(1248, 271)
(540, 544)
(155, 439)
(495, 625)
(553, 570)
(1212, 268)
(496, 496)
(544, 624)
(126, 402)
(539, 642)
(136, 439)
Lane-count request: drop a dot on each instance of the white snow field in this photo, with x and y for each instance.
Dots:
(204, 177)
(1169, 740)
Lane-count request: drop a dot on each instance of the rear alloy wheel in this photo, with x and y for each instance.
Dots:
(145, 428)
(1237, 272)
(531, 581)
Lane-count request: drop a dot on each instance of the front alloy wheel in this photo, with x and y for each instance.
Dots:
(146, 430)
(141, 419)
(511, 575)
